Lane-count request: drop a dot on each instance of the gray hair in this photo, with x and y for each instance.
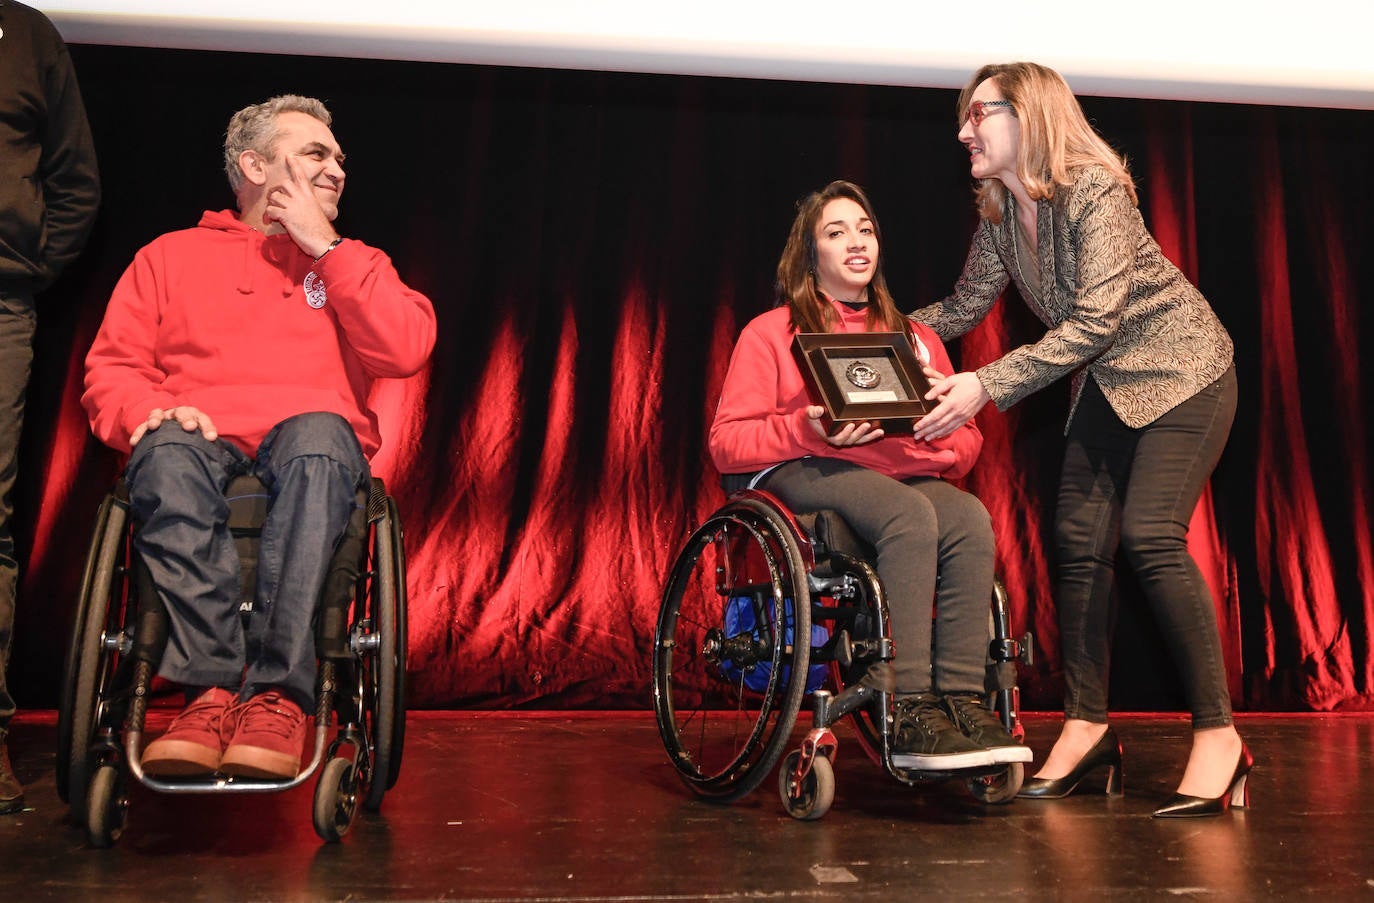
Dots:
(255, 128)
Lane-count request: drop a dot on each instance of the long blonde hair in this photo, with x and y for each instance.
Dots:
(797, 286)
(1056, 138)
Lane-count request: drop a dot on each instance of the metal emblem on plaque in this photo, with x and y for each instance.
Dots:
(863, 375)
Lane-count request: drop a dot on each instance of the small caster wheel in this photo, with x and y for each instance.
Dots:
(812, 798)
(107, 807)
(336, 800)
(999, 788)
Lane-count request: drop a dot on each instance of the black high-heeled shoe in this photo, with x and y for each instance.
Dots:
(1237, 794)
(1106, 752)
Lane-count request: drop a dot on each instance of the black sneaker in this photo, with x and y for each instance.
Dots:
(926, 740)
(984, 728)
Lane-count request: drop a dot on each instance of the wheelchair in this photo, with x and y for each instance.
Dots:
(764, 607)
(120, 630)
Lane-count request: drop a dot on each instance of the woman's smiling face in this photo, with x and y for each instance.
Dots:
(992, 134)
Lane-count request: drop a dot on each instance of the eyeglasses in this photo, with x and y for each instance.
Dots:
(978, 110)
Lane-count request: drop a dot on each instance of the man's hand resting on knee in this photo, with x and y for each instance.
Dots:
(191, 419)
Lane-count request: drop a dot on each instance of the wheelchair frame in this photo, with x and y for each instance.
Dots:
(120, 630)
(724, 736)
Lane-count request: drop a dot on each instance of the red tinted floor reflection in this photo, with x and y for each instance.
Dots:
(584, 806)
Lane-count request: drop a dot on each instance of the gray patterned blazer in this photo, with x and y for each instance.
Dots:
(1115, 306)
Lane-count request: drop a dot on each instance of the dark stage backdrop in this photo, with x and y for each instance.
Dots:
(594, 242)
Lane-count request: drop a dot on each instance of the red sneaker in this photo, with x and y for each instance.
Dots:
(194, 740)
(267, 733)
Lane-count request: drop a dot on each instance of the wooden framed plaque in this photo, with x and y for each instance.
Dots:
(863, 376)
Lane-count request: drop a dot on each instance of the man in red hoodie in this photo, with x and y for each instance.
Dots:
(249, 344)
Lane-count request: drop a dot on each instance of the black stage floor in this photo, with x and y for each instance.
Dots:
(584, 807)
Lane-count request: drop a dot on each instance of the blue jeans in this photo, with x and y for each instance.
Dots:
(313, 467)
(17, 324)
(1135, 489)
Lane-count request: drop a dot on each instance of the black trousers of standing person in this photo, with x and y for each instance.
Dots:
(17, 325)
(1135, 490)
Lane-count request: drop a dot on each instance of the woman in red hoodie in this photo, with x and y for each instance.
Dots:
(892, 490)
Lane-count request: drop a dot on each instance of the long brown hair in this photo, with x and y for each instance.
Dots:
(1056, 137)
(797, 286)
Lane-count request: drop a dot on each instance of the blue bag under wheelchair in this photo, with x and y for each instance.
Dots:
(740, 619)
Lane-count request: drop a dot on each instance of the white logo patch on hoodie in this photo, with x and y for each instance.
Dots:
(314, 290)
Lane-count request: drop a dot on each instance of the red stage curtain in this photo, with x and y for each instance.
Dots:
(594, 242)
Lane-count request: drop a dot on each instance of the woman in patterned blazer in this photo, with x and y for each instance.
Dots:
(1153, 398)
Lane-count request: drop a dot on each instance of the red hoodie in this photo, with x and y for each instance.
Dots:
(247, 328)
(761, 419)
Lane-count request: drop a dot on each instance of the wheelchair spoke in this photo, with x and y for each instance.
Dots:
(724, 652)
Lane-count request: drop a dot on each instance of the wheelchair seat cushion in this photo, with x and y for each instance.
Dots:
(249, 502)
(831, 533)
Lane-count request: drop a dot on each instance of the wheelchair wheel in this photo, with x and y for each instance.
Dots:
(71, 663)
(398, 731)
(999, 788)
(107, 807)
(90, 665)
(814, 796)
(383, 667)
(731, 649)
(336, 799)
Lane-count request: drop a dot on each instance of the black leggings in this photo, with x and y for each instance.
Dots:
(1136, 489)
